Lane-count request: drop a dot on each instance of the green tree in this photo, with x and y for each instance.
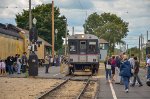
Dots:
(107, 26)
(43, 15)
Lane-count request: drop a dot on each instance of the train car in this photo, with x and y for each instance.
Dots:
(14, 40)
(83, 52)
(10, 42)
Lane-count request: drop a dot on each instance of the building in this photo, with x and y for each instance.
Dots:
(103, 49)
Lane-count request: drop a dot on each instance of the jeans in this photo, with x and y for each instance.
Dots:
(46, 69)
(23, 68)
(148, 72)
(10, 69)
(19, 68)
(136, 77)
(108, 72)
(126, 82)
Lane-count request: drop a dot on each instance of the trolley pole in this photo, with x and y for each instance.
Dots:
(53, 29)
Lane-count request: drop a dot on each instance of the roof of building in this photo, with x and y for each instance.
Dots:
(102, 41)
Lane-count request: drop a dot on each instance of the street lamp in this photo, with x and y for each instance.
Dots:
(33, 59)
(56, 31)
(34, 21)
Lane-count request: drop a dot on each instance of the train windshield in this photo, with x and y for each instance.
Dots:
(73, 47)
(92, 47)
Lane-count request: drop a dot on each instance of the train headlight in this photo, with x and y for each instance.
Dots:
(82, 36)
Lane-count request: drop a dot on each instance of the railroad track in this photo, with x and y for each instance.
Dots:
(83, 90)
(75, 90)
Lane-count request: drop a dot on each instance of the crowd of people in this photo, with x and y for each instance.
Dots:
(14, 64)
(124, 68)
(19, 63)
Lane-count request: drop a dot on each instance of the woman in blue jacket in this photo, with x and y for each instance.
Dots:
(125, 72)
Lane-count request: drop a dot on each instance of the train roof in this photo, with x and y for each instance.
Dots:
(9, 30)
(39, 38)
(82, 36)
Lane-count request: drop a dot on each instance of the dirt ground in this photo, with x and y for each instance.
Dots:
(24, 88)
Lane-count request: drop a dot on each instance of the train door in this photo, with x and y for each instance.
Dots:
(82, 47)
(82, 56)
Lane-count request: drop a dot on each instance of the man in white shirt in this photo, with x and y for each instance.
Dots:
(131, 60)
(132, 63)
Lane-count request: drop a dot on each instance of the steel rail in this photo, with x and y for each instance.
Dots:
(51, 90)
(83, 90)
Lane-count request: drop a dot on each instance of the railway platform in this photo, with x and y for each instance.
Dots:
(54, 72)
(116, 91)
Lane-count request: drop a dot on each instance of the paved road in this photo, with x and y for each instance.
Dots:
(116, 91)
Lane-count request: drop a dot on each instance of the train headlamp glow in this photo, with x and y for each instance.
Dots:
(82, 36)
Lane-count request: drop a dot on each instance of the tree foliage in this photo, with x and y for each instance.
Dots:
(44, 23)
(107, 26)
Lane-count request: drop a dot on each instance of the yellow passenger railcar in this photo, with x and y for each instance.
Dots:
(14, 40)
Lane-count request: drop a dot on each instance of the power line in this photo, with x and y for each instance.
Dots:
(80, 4)
(7, 7)
(16, 7)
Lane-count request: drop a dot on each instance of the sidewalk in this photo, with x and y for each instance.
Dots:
(104, 89)
(116, 91)
(54, 72)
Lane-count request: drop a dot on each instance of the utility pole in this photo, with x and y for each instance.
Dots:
(127, 47)
(139, 49)
(30, 15)
(142, 46)
(66, 39)
(53, 29)
(147, 36)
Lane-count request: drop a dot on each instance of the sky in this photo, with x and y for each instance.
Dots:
(136, 12)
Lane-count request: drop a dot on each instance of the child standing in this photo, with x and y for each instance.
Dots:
(3, 65)
(108, 68)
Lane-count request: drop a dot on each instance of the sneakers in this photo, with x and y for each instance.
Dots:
(132, 85)
(140, 85)
(127, 90)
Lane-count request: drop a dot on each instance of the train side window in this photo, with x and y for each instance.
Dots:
(92, 47)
